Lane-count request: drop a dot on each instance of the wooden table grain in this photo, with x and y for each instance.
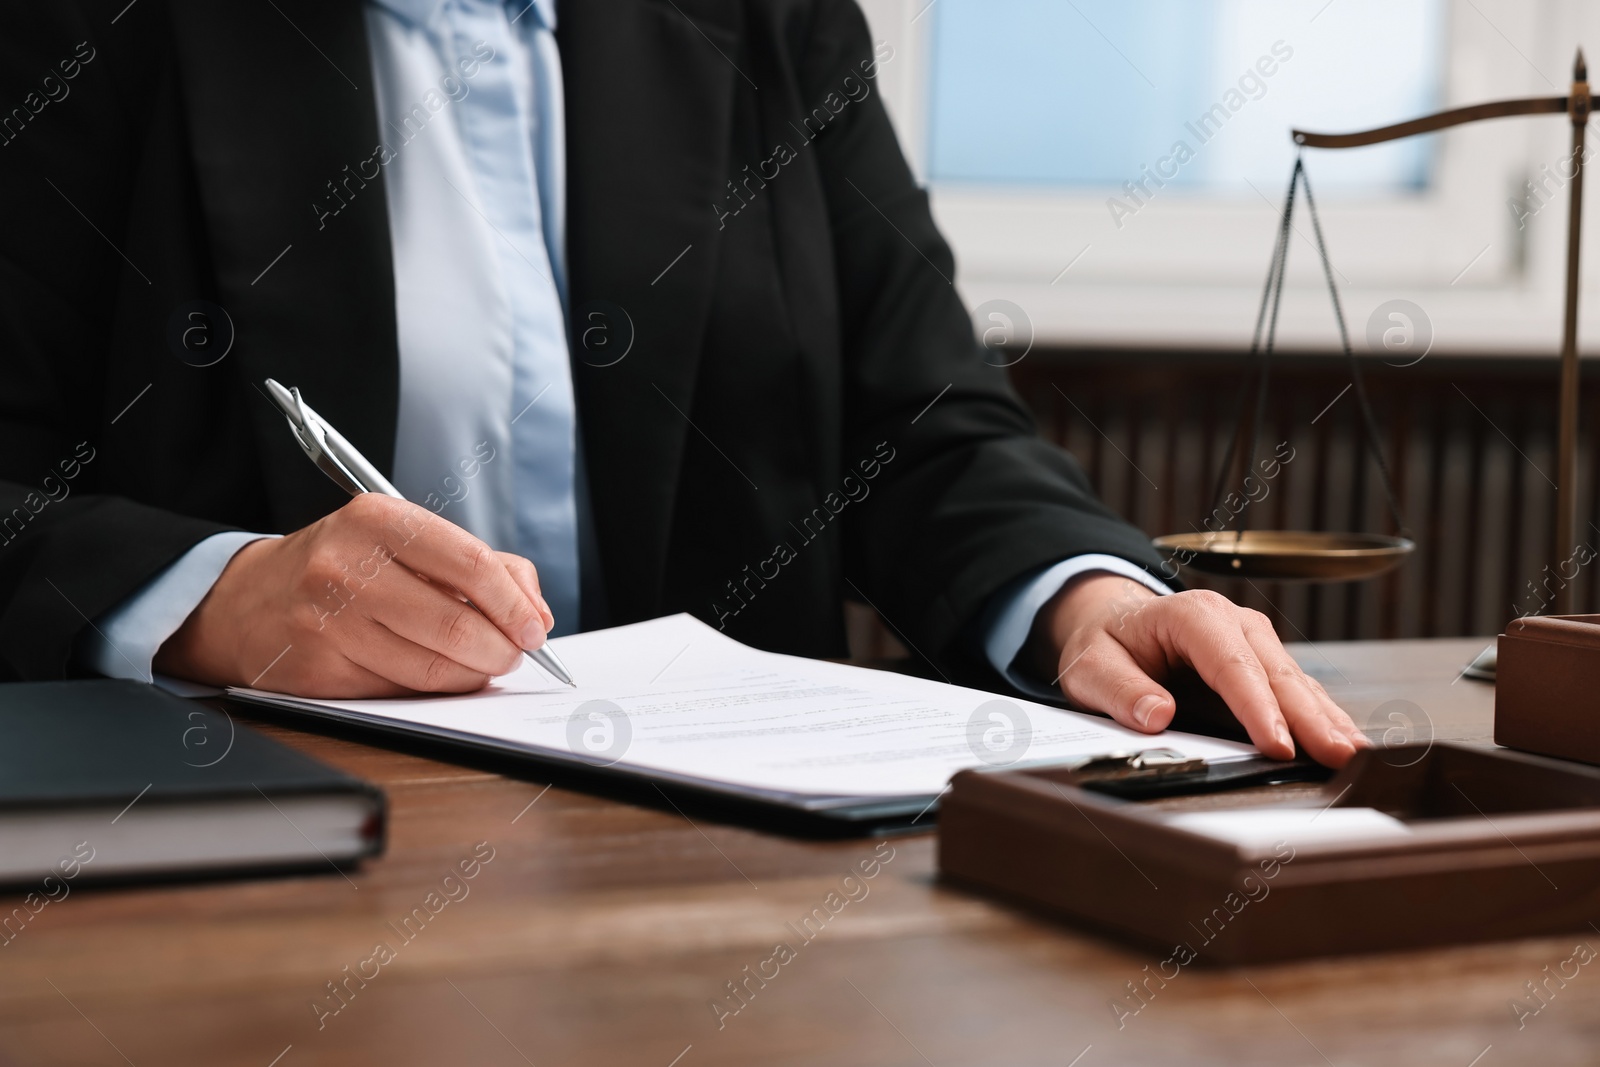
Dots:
(605, 933)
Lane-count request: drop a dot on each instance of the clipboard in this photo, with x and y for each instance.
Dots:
(1497, 844)
(672, 710)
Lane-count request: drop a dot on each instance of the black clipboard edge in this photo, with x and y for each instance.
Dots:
(894, 817)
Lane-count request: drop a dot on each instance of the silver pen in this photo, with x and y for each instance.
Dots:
(339, 460)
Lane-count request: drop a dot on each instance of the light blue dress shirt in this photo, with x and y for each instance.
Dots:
(469, 99)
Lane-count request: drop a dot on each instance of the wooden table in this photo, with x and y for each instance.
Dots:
(601, 933)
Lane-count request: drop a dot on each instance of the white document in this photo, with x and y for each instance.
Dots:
(678, 700)
(1265, 827)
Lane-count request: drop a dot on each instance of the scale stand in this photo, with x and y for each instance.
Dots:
(1339, 557)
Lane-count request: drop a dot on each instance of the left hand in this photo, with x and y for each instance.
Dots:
(1109, 642)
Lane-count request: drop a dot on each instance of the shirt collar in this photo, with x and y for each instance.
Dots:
(422, 12)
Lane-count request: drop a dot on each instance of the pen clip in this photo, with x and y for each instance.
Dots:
(313, 435)
(327, 448)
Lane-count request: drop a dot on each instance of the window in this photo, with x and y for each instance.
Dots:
(1029, 119)
(1096, 93)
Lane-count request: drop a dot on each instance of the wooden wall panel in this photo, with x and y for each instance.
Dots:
(1469, 440)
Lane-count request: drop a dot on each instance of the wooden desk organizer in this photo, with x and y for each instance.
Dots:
(1547, 686)
(1503, 845)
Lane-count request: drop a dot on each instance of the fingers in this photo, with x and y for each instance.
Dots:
(413, 667)
(1206, 630)
(1321, 726)
(446, 553)
(1104, 677)
(527, 579)
(1237, 653)
(426, 614)
(325, 670)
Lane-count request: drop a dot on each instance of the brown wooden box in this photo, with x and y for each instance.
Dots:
(1547, 686)
(1503, 845)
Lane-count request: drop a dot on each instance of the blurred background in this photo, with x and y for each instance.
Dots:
(1111, 175)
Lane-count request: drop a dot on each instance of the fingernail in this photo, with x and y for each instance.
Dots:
(534, 633)
(1280, 733)
(1145, 710)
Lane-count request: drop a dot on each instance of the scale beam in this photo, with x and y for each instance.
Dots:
(1495, 109)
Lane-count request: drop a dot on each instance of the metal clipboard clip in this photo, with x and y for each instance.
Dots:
(1146, 765)
(1160, 772)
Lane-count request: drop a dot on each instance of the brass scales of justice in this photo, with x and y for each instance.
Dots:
(1303, 555)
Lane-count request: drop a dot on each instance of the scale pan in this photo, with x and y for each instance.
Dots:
(1288, 555)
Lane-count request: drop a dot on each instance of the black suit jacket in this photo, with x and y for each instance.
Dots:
(803, 415)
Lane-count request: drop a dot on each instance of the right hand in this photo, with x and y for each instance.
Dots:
(370, 601)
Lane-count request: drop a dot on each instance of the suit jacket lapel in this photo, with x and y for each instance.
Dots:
(649, 103)
(283, 123)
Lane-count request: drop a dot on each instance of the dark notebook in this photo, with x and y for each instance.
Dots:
(120, 779)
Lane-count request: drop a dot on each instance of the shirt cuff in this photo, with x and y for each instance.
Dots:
(124, 641)
(1009, 618)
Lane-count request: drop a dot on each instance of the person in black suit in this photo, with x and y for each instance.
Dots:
(783, 337)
